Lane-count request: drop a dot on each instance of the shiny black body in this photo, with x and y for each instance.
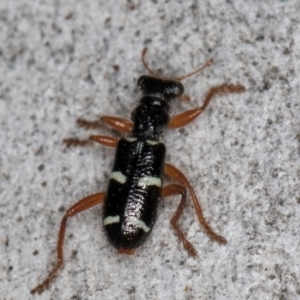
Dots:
(134, 189)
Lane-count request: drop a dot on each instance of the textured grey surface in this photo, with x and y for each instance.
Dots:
(58, 62)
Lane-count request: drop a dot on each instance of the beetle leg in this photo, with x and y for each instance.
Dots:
(188, 116)
(73, 142)
(179, 178)
(172, 190)
(105, 140)
(78, 207)
(101, 139)
(89, 124)
(117, 123)
(86, 125)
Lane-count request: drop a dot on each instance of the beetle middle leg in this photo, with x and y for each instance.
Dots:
(101, 139)
(78, 207)
(105, 140)
(178, 177)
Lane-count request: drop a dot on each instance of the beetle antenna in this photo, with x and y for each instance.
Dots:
(144, 62)
(207, 64)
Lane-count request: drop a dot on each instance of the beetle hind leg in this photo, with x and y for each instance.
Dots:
(82, 205)
(172, 190)
(180, 178)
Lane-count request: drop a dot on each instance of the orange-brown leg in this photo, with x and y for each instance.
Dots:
(172, 190)
(101, 139)
(105, 140)
(86, 125)
(89, 124)
(117, 123)
(73, 142)
(78, 207)
(190, 115)
(179, 178)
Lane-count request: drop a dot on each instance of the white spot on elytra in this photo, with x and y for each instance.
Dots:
(139, 223)
(152, 143)
(148, 181)
(131, 139)
(118, 176)
(111, 220)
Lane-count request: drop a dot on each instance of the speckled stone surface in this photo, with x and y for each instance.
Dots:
(60, 60)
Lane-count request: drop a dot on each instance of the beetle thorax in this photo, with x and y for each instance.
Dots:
(150, 118)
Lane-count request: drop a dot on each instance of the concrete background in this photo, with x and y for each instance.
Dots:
(60, 60)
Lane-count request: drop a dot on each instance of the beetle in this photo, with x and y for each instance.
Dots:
(135, 187)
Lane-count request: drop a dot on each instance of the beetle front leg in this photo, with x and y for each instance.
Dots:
(188, 116)
(117, 123)
(78, 207)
